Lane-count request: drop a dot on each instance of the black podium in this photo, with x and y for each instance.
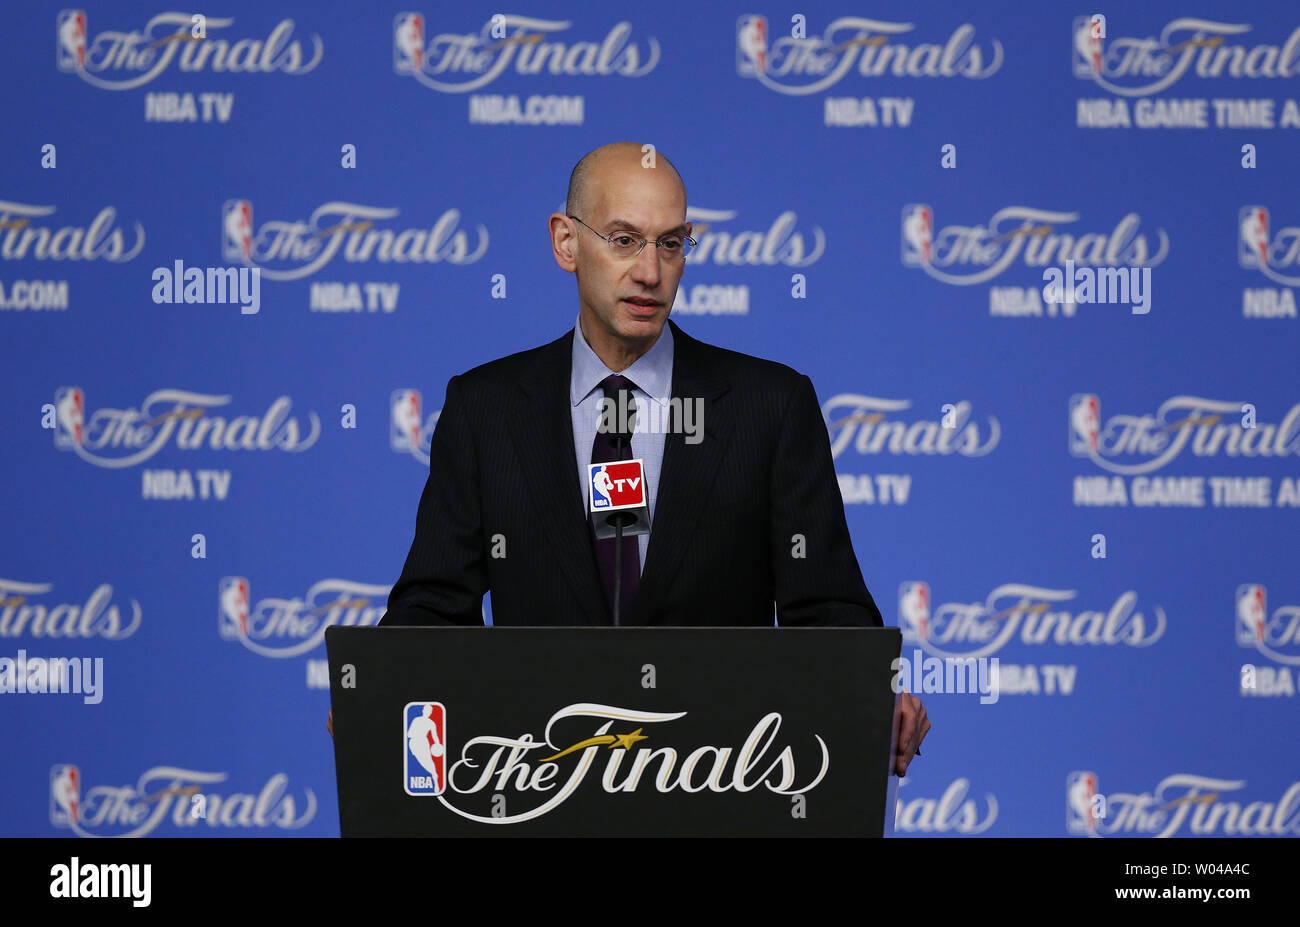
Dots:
(612, 731)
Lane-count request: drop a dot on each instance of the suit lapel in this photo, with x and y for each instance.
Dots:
(543, 434)
(688, 473)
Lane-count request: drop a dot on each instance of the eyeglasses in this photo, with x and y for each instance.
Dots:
(627, 245)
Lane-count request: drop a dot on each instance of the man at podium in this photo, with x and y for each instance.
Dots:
(746, 521)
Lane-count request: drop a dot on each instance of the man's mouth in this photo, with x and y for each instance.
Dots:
(641, 301)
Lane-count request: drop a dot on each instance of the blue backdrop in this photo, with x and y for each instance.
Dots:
(1104, 494)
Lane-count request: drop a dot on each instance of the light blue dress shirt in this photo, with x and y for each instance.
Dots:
(652, 374)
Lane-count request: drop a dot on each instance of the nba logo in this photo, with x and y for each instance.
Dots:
(232, 615)
(1085, 424)
(408, 43)
(619, 484)
(65, 795)
(601, 487)
(237, 231)
(1088, 32)
(751, 45)
(918, 234)
(1083, 806)
(70, 417)
(1252, 237)
(1252, 614)
(425, 737)
(70, 49)
(914, 611)
(404, 432)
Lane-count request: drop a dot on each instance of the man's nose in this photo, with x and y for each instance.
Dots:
(646, 269)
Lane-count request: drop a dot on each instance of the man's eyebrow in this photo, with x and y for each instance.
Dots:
(633, 227)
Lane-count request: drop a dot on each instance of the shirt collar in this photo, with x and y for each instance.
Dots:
(651, 372)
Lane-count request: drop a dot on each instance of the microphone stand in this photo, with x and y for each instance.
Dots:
(619, 519)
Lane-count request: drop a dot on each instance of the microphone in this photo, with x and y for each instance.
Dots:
(617, 493)
(618, 498)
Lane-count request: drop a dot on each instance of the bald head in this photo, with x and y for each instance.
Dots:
(600, 167)
(621, 195)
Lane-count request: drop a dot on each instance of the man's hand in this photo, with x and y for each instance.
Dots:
(329, 725)
(911, 725)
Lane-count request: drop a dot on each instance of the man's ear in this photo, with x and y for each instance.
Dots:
(564, 242)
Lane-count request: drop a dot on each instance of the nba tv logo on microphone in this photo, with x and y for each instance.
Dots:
(617, 491)
(616, 485)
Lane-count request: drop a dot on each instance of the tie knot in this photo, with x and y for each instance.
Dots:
(615, 382)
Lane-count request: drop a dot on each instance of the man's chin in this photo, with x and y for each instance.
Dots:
(639, 324)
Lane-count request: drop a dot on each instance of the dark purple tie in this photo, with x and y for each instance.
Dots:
(603, 451)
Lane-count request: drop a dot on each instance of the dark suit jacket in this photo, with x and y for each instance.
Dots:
(722, 540)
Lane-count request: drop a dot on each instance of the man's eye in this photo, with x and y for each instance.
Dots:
(672, 244)
(623, 240)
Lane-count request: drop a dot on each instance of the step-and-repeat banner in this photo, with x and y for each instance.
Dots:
(1040, 262)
